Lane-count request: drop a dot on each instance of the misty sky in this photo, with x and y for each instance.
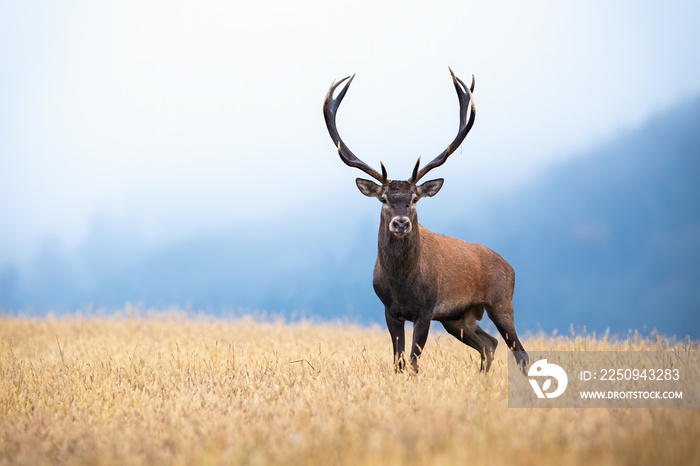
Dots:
(170, 118)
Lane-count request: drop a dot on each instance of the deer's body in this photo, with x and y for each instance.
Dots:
(441, 277)
(421, 276)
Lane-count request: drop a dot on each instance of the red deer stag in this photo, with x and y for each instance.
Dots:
(421, 276)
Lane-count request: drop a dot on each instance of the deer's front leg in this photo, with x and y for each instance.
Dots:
(421, 327)
(398, 340)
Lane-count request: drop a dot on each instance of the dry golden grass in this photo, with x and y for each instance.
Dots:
(165, 388)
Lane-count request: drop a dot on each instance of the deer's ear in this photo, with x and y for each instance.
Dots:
(369, 188)
(429, 188)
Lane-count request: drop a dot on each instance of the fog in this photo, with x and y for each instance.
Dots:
(161, 122)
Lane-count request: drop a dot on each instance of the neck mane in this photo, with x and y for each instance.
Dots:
(401, 255)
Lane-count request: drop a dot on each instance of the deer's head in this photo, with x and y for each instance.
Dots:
(399, 198)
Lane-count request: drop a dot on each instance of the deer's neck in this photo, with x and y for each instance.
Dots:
(399, 256)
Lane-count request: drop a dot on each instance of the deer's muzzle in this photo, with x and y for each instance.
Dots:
(400, 226)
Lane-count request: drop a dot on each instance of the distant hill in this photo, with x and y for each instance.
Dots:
(612, 237)
(609, 239)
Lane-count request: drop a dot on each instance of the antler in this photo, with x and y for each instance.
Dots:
(330, 108)
(464, 94)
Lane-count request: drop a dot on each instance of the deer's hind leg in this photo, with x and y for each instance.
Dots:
(468, 332)
(502, 316)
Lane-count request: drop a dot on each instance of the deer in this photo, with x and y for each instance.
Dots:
(421, 276)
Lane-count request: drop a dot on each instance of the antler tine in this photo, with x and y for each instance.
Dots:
(330, 108)
(415, 170)
(464, 94)
(384, 178)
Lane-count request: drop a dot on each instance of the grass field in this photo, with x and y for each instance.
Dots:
(170, 389)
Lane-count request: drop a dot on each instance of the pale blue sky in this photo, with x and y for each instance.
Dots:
(170, 118)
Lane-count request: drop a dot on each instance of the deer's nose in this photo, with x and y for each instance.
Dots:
(400, 225)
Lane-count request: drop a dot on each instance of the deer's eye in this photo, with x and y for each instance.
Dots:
(383, 200)
(414, 200)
